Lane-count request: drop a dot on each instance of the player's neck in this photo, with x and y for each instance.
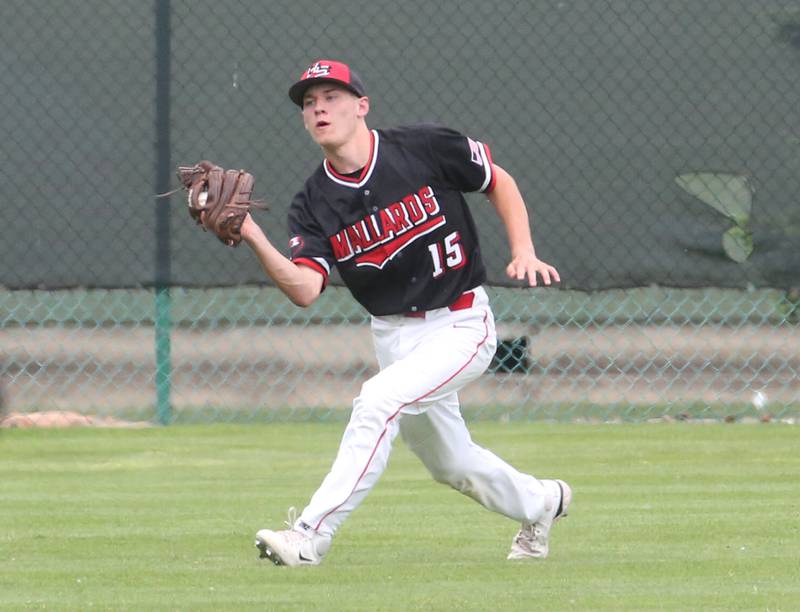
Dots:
(352, 155)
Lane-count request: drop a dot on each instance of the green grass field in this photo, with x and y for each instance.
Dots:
(665, 516)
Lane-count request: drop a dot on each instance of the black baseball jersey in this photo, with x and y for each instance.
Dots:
(399, 231)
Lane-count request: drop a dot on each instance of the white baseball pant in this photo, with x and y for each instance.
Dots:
(424, 361)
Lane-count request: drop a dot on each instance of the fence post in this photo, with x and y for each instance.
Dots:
(163, 272)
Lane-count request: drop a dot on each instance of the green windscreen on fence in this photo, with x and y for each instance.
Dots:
(657, 145)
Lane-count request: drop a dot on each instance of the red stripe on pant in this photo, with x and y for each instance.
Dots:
(394, 415)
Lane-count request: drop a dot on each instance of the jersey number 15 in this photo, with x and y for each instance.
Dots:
(447, 254)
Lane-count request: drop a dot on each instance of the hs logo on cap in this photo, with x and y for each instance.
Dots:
(318, 70)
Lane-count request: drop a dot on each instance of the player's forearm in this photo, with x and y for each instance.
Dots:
(512, 211)
(301, 285)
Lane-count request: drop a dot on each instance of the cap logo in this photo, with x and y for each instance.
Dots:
(318, 70)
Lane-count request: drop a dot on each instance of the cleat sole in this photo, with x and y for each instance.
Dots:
(265, 552)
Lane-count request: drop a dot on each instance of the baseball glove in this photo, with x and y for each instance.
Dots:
(219, 199)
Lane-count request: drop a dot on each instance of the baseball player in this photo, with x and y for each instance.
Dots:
(386, 208)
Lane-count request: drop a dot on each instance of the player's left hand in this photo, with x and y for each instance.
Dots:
(527, 264)
(219, 200)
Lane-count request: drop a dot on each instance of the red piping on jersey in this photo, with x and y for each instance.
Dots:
(310, 263)
(493, 180)
(394, 415)
(364, 170)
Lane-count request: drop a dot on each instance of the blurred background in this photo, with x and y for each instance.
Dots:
(657, 146)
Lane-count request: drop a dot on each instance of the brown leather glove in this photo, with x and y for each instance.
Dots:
(219, 199)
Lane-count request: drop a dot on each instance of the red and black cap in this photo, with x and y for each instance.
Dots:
(326, 71)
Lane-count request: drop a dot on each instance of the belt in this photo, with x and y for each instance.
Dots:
(462, 302)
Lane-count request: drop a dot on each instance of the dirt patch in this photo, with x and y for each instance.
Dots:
(57, 418)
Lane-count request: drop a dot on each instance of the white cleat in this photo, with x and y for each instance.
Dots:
(532, 540)
(292, 547)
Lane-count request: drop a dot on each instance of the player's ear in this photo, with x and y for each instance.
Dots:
(363, 107)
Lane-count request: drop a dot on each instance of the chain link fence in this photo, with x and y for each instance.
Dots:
(247, 354)
(656, 144)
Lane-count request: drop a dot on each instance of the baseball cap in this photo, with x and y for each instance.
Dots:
(326, 71)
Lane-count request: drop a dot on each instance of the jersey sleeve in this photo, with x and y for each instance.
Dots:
(308, 245)
(465, 164)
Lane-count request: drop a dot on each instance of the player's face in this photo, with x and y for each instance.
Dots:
(331, 114)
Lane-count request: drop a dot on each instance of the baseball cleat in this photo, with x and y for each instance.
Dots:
(532, 540)
(293, 546)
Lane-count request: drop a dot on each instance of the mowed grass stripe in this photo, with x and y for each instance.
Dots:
(666, 516)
